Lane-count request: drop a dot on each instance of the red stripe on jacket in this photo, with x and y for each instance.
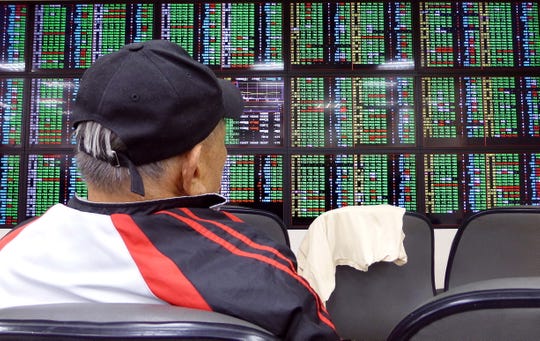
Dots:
(234, 250)
(240, 236)
(161, 274)
(232, 217)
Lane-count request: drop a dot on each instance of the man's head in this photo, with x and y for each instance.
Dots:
(158, 103)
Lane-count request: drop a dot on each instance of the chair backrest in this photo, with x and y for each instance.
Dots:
(501, 242)
(116, 321)
(497, 310)
(262, 221)
(367, 305)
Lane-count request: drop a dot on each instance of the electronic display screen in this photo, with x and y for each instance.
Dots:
(254, 180)
(227, 35)
(433, 106)
(10, 171)
(323, 182)
(51, 178)
(13, 36)
(50, 111)
(480, 110)
(352, 111)
(12, 99)
(74, 35)
(349, 34)
(479, 34)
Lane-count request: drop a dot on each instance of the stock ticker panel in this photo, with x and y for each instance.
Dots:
(261, 123)
(481, 110)
(351, 33)
(13, 34)
(12, 99)
(255, 181)
(51, 178)
(50, 111)
(428, 105)
(323, 182)
(479, 34)
(47, 179)
(227, 35)
(352, 111)
(9, 189)
(75, 35)
(449, 186)
(458, 184)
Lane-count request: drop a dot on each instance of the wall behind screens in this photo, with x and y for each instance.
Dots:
(429, 105)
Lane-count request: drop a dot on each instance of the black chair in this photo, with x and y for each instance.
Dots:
(262, 221)
(367, 305)
(499, 309)
(500, 242)
(115, 321)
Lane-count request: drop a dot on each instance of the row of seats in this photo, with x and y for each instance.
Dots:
(492, 280)
(500, 309)
(492, 292)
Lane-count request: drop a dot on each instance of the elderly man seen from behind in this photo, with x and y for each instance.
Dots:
(150, 138)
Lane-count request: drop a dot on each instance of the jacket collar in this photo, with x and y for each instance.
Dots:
(210, 200)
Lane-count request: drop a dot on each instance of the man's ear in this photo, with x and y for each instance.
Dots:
(190, 170)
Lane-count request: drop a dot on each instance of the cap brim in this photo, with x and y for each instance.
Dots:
(232, 99)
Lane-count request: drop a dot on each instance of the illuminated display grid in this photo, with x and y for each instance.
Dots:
(436, 40)
(471, 182)
(261, 122)
(480, 110)
(509, 105)
(532, 187)
(178, 25)
(12, 36)
(441, 176)
(404, 190)
(402, 110)
(75, 35)
(9, 189)
(324, 182)
(227, 35)
(308, 186)
(368, 45)
(479, 34)
(52, 178)
(11, 110)
(307, 112)
(272, 40)
(254, 180)
(350, 33)
(401, 41)
(489, 106)
(307, 35)
(485, 38)
(529, 98)
(491, 180)
(529, 21)
(346, 112)
(52, 101)
(499, 49)
(369, 96)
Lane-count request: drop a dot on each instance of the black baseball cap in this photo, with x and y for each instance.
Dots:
(156, 98)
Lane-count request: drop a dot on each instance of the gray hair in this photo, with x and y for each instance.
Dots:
(95, 145)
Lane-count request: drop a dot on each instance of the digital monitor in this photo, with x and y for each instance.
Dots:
(432, 106)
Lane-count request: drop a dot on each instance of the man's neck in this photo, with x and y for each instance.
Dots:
(96, 195)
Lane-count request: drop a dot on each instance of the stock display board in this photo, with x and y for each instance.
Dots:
(428, 105)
